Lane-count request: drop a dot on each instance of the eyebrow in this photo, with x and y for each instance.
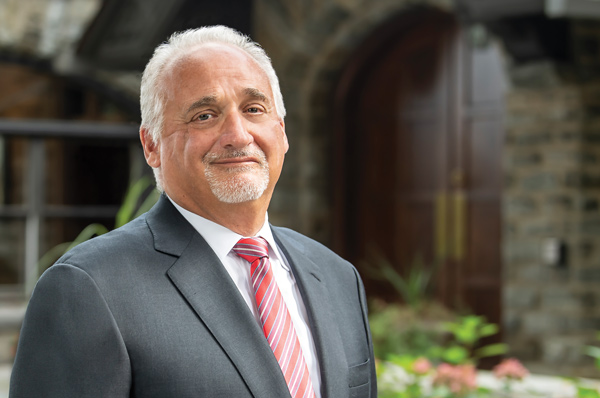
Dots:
(257, 94)
(206, 100)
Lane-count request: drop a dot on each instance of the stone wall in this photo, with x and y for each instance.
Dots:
(44, 28)
(552, 190)
(49, 31)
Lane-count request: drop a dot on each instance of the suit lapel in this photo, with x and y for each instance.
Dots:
(205, 284)
(332, 359)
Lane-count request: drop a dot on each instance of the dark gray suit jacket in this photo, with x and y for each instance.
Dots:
(148, 310)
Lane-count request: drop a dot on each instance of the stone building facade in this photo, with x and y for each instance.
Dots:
(550, 153)
(551, 161)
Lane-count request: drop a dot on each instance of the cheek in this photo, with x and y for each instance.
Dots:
(276, 157)
(199, 143)
(175, 154)
(186, 147)
(275, 140)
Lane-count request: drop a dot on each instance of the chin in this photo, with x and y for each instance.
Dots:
(239, 187)
(239, 190)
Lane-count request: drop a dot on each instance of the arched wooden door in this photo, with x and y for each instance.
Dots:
(418, 150)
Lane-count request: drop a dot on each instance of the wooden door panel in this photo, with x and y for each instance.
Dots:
(484, 149)
(418, 120)
(420, 143)
(414, 226)
(483, 251)
(483, 299)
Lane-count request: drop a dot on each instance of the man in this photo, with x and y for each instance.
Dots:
(201, 297)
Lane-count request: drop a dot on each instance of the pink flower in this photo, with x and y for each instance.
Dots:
(460, 379)
(421, 366)
(510, 368)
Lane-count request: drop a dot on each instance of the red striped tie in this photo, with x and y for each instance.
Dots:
(274, 315)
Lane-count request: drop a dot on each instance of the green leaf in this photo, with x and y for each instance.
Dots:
(404, 361)
(435, 352)
(414, 390)
(455, 355)
(488, 330)
(466, 336)
(592, 351)
(87, 233)
(52, 255)
(491, 350)
(147, 204)
(126, 213)
(472, 321)
(583, 392)
(441, 391)
(411, 286)
(132, 196)
(466, 330)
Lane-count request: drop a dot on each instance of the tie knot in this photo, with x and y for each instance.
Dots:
(251, 249)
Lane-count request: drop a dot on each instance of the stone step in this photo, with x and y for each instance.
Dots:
(4, 380)
(11, 315)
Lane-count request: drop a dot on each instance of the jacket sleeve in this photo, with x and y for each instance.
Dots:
(70, 345)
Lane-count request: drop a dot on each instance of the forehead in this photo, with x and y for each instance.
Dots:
(213, 64)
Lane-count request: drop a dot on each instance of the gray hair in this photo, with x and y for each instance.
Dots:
(179, 44)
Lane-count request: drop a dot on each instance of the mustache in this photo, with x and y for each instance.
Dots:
(235, 153)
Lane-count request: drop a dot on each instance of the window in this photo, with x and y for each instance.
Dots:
(52, 186)
(67, 156)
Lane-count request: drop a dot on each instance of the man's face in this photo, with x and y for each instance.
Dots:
(222, 140)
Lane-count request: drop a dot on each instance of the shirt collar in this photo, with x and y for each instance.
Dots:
(222, 239)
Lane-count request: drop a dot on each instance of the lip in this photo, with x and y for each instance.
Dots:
(235, 161)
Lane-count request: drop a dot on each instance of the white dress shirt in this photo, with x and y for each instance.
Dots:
(222, 240)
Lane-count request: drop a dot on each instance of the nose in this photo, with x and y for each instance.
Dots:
(235, 134)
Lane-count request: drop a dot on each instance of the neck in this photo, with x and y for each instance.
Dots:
(245, 218)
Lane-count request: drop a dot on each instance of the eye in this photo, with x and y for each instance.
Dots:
(254, 109)
(204, 116)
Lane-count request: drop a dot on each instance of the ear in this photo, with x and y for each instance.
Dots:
(286, 144)
(151, 148)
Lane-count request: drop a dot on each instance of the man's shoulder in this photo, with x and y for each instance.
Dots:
(124, 241)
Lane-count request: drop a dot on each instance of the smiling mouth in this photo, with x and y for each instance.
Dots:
(235, 161)
(238, 160)
(235, 165)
